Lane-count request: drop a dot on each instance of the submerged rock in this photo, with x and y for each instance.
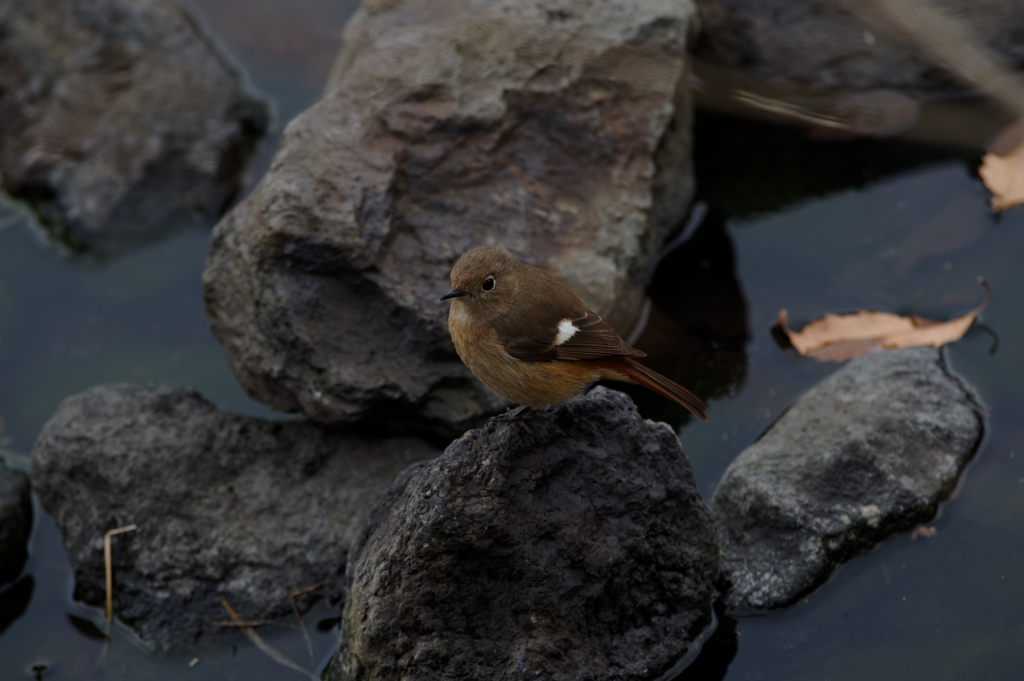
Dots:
(822, 46)
(15, 522)
(869, 452)
(226, 506)
(559, 130)
(563, 543)
(118, 119)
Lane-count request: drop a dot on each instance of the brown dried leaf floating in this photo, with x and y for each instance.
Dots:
(1002, 169)
(837, 338)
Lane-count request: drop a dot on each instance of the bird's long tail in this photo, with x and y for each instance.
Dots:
(638, 373)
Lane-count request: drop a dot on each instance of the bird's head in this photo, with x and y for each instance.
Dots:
(483, 283)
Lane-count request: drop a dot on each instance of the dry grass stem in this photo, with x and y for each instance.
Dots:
(250, 623)
(269, 650)
(109, 568)
(295, 607)
(786, 109)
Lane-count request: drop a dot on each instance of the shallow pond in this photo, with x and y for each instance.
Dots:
(781, 222)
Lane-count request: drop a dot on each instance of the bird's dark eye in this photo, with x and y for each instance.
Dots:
(488, 284)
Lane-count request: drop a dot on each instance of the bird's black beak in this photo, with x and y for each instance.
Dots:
(454, 293)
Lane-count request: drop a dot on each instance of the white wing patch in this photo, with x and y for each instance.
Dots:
(566, 330)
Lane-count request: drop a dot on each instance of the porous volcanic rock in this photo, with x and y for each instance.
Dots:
(869, 452)
(118, 119)
(226, 506)
(819, 44)
(563, 543)
(15, 522)
(559, 130)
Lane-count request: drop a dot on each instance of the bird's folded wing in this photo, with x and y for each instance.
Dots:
(580, 335)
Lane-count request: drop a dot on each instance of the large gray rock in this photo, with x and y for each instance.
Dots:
(118, 119)
(15, 522)
(226, 505)
(565, 543)
(817, 43)
(869, 452)
(559, 130)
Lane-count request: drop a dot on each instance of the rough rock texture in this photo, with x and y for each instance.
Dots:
(868, 452)
(118, 119)
(818, 43)
(559, 130)
(15, 522)
(565, 543)
(226, 505)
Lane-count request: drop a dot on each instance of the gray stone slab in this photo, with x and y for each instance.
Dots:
(869, 452)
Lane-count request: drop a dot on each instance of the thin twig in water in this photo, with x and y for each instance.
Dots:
(253, 623)
(271, 652)
(789, 110)
(109, 568)
(302, 625)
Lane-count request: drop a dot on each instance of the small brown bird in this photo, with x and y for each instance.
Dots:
(529, 338)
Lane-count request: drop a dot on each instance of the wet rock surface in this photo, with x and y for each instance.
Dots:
(869, 452)
(563, 543)
(558, 130)
(15, 522)
(118, 119)
(820, 44)
(226, 506)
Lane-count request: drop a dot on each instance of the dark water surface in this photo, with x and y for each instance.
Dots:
(949, 607)
(782, 222)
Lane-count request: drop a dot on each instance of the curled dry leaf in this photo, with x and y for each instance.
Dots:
(1002, 168)
(837, 338)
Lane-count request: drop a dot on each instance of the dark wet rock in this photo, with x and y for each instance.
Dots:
(869, 452)
(564, 543)
(118, 119)
(226, 506)
(15, 522)
(559, 130)
(821, 45)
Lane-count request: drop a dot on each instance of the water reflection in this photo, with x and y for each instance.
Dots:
(14, 601)
(718, 651)
(936, 216)
(86, 628)
(945, 607)
(698, 322)
(747, 168)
